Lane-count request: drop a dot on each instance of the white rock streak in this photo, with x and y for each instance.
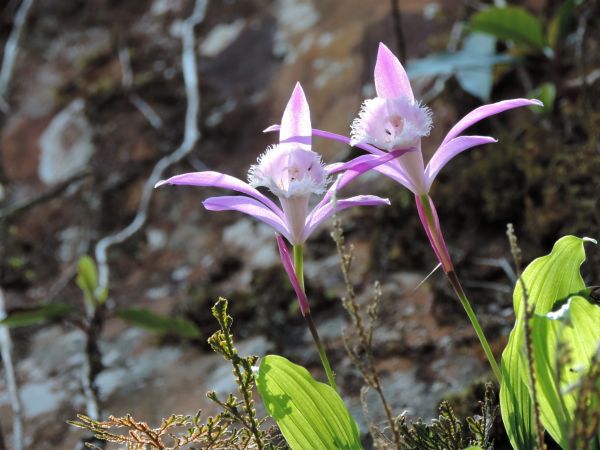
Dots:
(11, 382)
(191, 136)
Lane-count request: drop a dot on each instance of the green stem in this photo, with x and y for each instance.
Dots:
(299, 269)
(439, 246)
(299, 264)
(460, 293)
(321, 350)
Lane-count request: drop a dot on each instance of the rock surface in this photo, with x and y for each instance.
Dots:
(72, 112)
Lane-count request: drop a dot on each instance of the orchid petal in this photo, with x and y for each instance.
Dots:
(449, 150)
(295, 123)
(248, 206)
(356, 167)
(320, 214)
(333, 137)
(391, 80)
(220, 180)
(396, 173)
(486, 111)
(286, 260)
(366, 162)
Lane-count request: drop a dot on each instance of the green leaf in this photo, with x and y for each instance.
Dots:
(559, 22)
(159, 323)
(37, 315)
(478, 81)
(87, 278)
(473, 447)
(576, 331)
(310, 414)
(511, 23)
(547, 279)
(452, 63)
(546, 93)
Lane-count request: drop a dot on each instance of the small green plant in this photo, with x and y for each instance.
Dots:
(551, 380)
(448, 432)
(236, 427)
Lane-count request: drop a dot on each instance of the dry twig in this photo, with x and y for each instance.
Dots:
(11, 50)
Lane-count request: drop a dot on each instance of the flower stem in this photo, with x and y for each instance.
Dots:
(299, 264)
(460, 293)
(432, 227)
(299, 269)
(321, 350)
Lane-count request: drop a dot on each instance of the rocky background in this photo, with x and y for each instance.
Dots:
(97, 98)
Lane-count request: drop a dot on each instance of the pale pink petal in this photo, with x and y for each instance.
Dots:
(248, 206)
(295, 123)
(286, 260)
(449, 150)
(396, 173)
(220, 180)
(391, 80)
(486, 111)
(366, 162)
(356, 167)
(318, 215)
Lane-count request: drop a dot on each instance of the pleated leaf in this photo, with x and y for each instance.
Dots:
(577, 330)
(310, 414)
(548, 279)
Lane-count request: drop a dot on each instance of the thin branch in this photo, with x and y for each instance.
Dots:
(21, 207)
(11, 50)
(528, 312)
(398, 30)
(11, 380)
(127, 81)
(191, 136)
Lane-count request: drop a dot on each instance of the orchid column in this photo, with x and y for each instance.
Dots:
(294, 173)
(394, 120)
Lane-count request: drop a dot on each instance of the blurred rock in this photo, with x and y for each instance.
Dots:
(220, 37)
(252, 242)
(66, 145)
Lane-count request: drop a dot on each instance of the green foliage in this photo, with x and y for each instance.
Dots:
(87, 280)
(310, 414)
(478, 81)
(35, 316)
(548, 279)
(448, 433)
(236, 427)
(559, 21)
(511, 23)
(546, 93)
(242, 411)
(159, 323)
(563, 347)
(472, 66)
(213, 434)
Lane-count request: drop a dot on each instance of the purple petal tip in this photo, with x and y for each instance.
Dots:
(536, 102)
(274, 127)
(161, 183)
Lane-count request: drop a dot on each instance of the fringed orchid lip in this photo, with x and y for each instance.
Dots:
(391, 123)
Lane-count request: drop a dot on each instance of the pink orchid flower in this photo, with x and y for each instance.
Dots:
(395, 120)
(293, 172)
